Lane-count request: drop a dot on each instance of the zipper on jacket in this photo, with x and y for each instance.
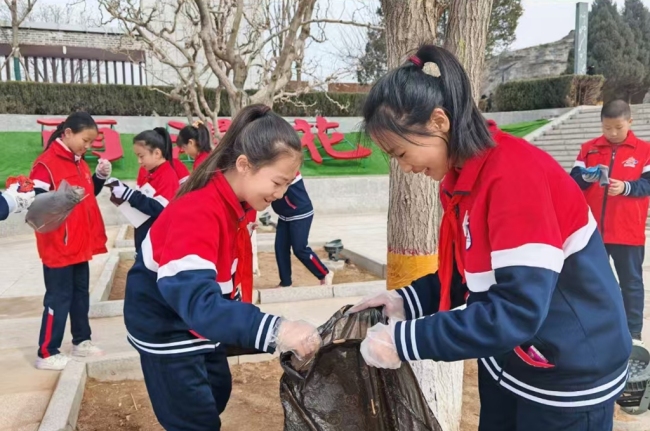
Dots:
(602, 213)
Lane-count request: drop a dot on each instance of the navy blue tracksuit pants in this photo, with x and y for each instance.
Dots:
(501, 410)
(188, 393)
(628, 261)
(66, 292)
(294, 235)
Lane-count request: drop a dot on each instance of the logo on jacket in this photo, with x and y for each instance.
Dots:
(630, 163)
(468, 237)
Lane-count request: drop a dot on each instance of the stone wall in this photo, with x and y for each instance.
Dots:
(534, 62)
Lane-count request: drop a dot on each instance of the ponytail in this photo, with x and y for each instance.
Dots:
(167, 149)
(77, 122)
(157, 139)
(403, 100)
(197, 132)
(257, 133)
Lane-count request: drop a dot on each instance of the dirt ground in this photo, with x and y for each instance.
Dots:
(254, 404)
(268, 279)
(130, 233)
(119, 279)
(301, 275)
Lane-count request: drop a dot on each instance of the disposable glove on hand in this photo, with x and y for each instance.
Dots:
(378, 349)
(596, 174)
(391, 301)
(120, 192)
(17, 201)
(103, 169)
(300, 337)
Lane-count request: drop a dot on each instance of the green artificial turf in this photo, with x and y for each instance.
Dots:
(18, 150)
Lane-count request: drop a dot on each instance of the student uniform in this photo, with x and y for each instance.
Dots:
(65, 252)
(163, 184)
(200, 159)
(295, 215)
(5, 210)
(621, 219)
(181, 171)
(181, 302)
(518, 234)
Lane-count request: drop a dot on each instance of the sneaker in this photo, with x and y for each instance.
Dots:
(636, 340)
(327, 280)
(86, 348)
(279, 286)
(56, 362)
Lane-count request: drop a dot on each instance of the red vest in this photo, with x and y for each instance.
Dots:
(82, 235)
(621, 219)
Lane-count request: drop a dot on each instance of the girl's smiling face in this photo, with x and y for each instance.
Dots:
(148, 158)
(80, 142)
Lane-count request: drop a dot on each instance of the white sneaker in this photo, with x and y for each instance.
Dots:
(56, 362)
(639, 343)
(86, 348)
(327, 281)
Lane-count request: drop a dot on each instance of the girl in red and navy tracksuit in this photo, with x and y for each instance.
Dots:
(157, 181)
(196, 142)
(65, 252)
(181, 294)
(295, 215)
(621, 207)
(544, 313)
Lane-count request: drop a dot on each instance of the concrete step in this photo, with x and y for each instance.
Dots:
(596, 130)
(596, 122)
(640, 133)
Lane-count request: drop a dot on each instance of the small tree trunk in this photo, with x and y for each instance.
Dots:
(414, 212)
(466, 36)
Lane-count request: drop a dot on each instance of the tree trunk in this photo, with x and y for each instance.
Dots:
(466, 36)
(414, 212)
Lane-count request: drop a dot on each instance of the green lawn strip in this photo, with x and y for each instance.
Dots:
(18, 150)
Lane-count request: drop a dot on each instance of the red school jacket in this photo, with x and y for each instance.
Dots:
(82, 235)
(200, 159)
(621, 219)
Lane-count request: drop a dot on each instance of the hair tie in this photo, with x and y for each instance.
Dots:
(197, 123)
(416, 61)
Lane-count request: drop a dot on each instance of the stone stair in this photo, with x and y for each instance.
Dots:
(563, 140)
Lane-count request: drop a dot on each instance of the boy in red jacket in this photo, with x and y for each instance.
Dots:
(621, 208)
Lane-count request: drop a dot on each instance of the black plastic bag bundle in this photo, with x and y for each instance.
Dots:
(49, 210)
(337, 391)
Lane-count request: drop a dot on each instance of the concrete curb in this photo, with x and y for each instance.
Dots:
(120, 239)
(63, 410)
(553, 124)
(296, 294)
(102, 289)
(374, 267)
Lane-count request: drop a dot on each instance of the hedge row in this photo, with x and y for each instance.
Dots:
(33, 98)
(556, 92)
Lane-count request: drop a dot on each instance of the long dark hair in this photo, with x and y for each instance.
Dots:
(77, 122)
(257, 133)
(402, 101)
(200, 134)
(157, 138)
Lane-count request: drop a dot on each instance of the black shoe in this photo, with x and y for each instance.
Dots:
(636, 336)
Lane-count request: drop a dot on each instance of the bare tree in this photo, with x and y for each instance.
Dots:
(248, 49)
(18, 12)
(74, 12)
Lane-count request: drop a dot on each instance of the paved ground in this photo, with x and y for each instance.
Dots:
(25, 391)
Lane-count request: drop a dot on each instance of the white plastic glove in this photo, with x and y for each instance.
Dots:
(18, 201)
(378, 349)
(391, 301)
(300, 337)
(103, 169)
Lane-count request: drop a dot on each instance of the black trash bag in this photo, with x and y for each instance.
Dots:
(49, 210)
(337, 391)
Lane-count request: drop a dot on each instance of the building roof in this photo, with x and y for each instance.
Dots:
(67, 28)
